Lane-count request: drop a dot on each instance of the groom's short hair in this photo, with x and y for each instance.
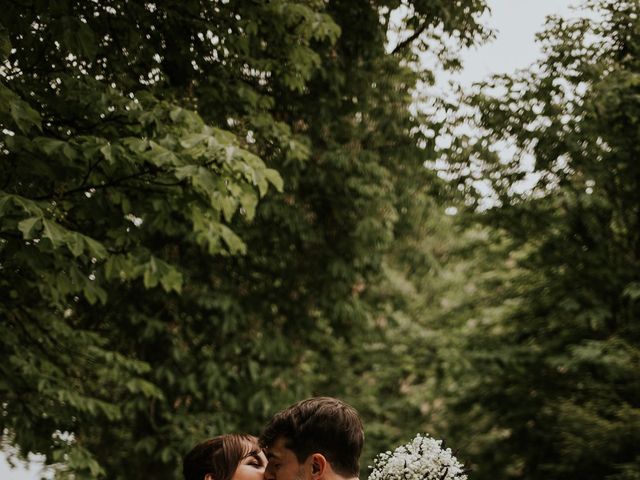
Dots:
(320, 425)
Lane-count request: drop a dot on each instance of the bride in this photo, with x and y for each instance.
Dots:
(226, 457)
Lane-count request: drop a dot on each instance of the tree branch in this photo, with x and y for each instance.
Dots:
(83, 188)
(403, 44)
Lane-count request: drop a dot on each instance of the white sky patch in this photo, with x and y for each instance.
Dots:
(516, 23)
(31, 470)
(451, 211)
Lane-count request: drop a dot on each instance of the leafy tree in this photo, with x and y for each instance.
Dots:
(387, 209)
(114, 192)
(148, 298)
(554, 382)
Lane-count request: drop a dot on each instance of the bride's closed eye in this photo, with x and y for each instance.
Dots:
(254, 460)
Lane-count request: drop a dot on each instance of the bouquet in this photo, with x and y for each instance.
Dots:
(424, 458)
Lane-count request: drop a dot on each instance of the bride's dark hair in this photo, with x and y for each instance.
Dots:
(218, 456)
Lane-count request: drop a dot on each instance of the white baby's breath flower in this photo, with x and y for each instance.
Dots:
(424, 458)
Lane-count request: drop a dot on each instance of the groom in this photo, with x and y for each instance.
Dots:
(316, 439)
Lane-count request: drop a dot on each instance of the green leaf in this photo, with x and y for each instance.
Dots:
(249, 201)
(223, 137)
(147, 389)
(5, 43)
(632, 290)
(5, 201)
(166, 455)
(176, 114)
(229, 152)
(54, 232)
(150, 278)
(29, 206)
(159, 272)
(188, 171)
(28, 225)
(171, 279)
(252, 160)
(274, 177)
(49, 145)
(95, 248)
(161, 156)
(136, 145)
(25, 116)
(260, 180)
(94, 293)
(233, 241)
(229, 206)
(69, 152)
(208, 184)
(107, 152)
(75, 243)
(193, 139)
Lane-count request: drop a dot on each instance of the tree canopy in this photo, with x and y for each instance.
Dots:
(554, 362)
(212, 209)
(196, 198)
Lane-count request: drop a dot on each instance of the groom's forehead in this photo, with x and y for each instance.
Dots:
(277, 450)
(271, 454)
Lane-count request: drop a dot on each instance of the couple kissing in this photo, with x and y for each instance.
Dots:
(318, 438)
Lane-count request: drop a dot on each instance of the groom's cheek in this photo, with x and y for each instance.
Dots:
(268, 472)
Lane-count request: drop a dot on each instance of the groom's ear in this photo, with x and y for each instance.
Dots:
(318, 466)
(208, 476)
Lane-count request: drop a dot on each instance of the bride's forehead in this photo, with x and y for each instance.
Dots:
(250, 448)
(250, 443)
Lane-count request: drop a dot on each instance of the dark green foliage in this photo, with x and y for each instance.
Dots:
(111, 194)
(554, 383)
(153, 291)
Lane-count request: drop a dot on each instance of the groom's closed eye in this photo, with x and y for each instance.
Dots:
(273, 464)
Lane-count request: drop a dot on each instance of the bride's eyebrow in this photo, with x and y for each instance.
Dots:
(253, 453)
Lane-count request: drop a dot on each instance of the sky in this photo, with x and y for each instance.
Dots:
(516, 22)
